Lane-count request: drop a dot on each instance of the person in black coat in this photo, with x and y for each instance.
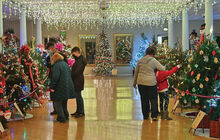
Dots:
(78, 80)
(52, 50)
(61, 86)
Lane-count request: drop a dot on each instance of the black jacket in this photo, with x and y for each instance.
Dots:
(77, 73)
(61, 82)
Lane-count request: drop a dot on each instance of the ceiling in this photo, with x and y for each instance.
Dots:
(130, 13)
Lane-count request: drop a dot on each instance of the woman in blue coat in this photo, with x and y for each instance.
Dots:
(61, 86)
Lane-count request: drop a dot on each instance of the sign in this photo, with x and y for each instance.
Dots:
(1, 127)
(175, 106)
(197, 120)
(19, 111)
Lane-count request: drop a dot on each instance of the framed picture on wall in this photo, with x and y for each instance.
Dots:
(88, 45)
(123, 45)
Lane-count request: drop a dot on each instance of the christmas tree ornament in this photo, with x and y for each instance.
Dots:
(206, 58)
(193, 90)
(196, 65)
(185, 101)
(192, 73)
(197, 101)
(201, 85)
(206, 79)
(201, 52)
(215, 60)
(214, 53)
(193, 81)
(198, 76)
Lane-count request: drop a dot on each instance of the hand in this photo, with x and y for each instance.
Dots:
(134, 85)
(179, 66)
(52, 90)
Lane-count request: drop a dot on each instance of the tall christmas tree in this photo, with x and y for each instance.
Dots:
(144, 44)
(203, 73)
(104, 62)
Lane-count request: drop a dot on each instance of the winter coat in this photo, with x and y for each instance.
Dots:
(61, 81)
(77, 73)
(162, 83)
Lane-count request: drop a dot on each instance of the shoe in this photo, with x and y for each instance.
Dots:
(74, 114)
(162, 115)
(166, 116)
(79, 115)
(154, 119)
(53, 113)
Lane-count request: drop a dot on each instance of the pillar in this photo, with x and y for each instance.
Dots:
(38, 32)
(23, 27)
(208, 15)
(185, 30)
(1, 25)
(170, 33)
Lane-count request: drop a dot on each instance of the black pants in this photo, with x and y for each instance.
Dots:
(79, 103)
(61, 109)
(149, 96)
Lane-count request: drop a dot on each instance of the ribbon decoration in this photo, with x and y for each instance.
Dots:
(188, 93)
(31, 75)
(30, 94)
(41, 47)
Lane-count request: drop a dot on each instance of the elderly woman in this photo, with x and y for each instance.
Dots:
(61, 86)
(147, 84)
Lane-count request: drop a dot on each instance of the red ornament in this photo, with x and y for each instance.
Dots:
(187, 92)
(216, 76)
(213, 53)
(192, 73)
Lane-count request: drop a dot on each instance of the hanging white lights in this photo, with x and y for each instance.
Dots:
(84, 13)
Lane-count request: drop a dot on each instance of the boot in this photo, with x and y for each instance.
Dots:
(166, 116)
(162, 114)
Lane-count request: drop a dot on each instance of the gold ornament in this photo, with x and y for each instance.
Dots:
(201, 85)
(206, 79)
(201, 52)
(198, 76)
(215, 60)
(190, 59)
(197, 101)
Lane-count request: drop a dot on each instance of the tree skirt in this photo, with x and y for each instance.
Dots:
(206, 133)
(190, 114)
(18, 117)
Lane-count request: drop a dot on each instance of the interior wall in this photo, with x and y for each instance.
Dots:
(73, 34)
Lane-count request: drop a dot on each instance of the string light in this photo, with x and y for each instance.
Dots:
(126, 13)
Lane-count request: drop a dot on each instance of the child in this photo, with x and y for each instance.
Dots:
(162, 88)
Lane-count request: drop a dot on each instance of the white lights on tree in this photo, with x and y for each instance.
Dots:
(126, 13)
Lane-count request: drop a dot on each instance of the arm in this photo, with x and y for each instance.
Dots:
(79, 68)
(55, 76)
(136, 74)
(164, 74)
(158, 66)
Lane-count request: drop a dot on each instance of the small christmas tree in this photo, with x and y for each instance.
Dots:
(123, 53)
(103, 63)
(144, 44)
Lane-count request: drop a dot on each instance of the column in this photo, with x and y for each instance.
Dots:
(185, 30)
(208, 15)
(38, 32)
(23, 28)
(170, 33)
(1, 24)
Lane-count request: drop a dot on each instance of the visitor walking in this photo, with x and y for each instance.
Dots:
(147, 85)
(78, 80)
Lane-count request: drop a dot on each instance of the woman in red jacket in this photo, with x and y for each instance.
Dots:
(162, 88)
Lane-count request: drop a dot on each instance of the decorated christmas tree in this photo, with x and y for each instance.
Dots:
(144, 44)
(203, 73)
(123, 53)
(103, 63)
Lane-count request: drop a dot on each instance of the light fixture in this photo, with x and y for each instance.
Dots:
(89, 13)
(165, 29)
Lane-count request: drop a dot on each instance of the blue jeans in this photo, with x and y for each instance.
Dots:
(149, 96)
(79, 103)
(61, 109)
